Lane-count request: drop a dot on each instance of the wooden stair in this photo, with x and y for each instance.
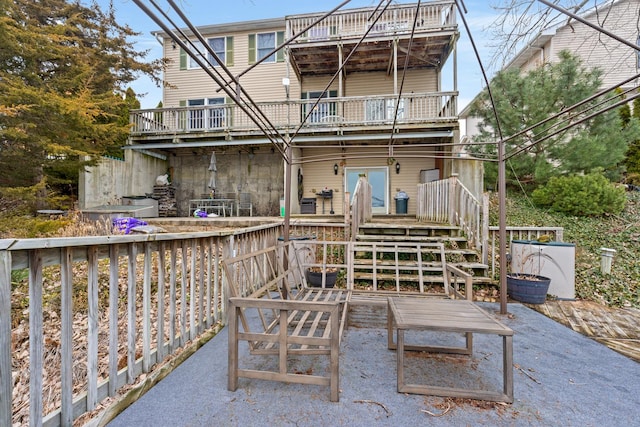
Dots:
(403, 229)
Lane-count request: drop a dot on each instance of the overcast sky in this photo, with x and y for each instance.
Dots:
(203, 12)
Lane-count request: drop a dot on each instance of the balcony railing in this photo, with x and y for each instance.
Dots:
(432, 16)
(329, 113)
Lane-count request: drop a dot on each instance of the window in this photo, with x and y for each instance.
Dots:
(222, 46)
(216, 115)
(197, 46)
(377, 110)
(266, 43)
(261, 44)
(196, 115)
(218, 46)
(321, 113)
(319, 33)
(374, 110)
(211, 117)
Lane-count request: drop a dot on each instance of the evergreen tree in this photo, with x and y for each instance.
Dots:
(523, 100)
(64, 68)
(632, 161)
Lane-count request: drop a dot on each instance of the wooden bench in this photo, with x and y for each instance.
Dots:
(290, 318)
(272, 307)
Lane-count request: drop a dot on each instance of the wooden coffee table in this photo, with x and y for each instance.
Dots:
(430, 314)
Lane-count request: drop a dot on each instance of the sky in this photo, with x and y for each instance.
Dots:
(205, 12)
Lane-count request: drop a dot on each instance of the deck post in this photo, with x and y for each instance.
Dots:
(5, 339)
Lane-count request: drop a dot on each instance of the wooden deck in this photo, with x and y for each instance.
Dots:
(615, 328)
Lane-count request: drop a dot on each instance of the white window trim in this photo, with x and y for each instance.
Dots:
(211, 114)
(224, 51)
(273, 58)
(191, 63)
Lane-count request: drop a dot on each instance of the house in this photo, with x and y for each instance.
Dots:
(353, 93)
(617, 61)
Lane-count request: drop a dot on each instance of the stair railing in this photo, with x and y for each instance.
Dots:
(360, 206)
(449, 201)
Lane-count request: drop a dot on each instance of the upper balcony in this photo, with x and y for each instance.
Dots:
(316, 51)
(330, 116)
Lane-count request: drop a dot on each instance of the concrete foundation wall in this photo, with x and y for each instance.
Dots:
(259, 173)
(111, 179)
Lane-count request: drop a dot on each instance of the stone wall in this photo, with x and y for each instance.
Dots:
(259, 172)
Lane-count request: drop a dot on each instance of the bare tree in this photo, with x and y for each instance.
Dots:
(520, 21)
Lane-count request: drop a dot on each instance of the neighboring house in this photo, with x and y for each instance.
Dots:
(617, 61)
(351, 132)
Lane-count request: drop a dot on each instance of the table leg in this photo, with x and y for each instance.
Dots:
(390, 344)
(400, 358)
(507, 351)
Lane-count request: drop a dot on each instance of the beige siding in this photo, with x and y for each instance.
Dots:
(535, 61)
(616, 60)
(318, 175)
(263, 83)
(361, 84)
(418, 81)
(317, 83)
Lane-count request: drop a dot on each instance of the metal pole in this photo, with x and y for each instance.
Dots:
(502, 186)
(502, 223)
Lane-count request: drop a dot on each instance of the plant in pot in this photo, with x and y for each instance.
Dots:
(328, 260)
(526, 284)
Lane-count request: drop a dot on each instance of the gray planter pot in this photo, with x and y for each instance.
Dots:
(528, 288)
(315, 278)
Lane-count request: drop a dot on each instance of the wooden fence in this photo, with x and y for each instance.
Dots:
(102, 311)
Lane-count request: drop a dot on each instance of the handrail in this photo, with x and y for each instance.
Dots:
(124, 272)
(395, 20)
(449, 201)
(414, 108)
(361, 206)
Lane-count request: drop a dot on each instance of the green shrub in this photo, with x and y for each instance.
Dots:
(581, 195)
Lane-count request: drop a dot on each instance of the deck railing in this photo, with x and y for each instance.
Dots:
(396, 20)
(142, 298)
(555, 234)
(449, 201)
(328, 114)
(100, 312)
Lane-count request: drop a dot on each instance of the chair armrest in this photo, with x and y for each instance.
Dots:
(455, 276)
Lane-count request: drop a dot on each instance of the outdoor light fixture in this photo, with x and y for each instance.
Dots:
(335, 169)
(173, 44)
(397, 167)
